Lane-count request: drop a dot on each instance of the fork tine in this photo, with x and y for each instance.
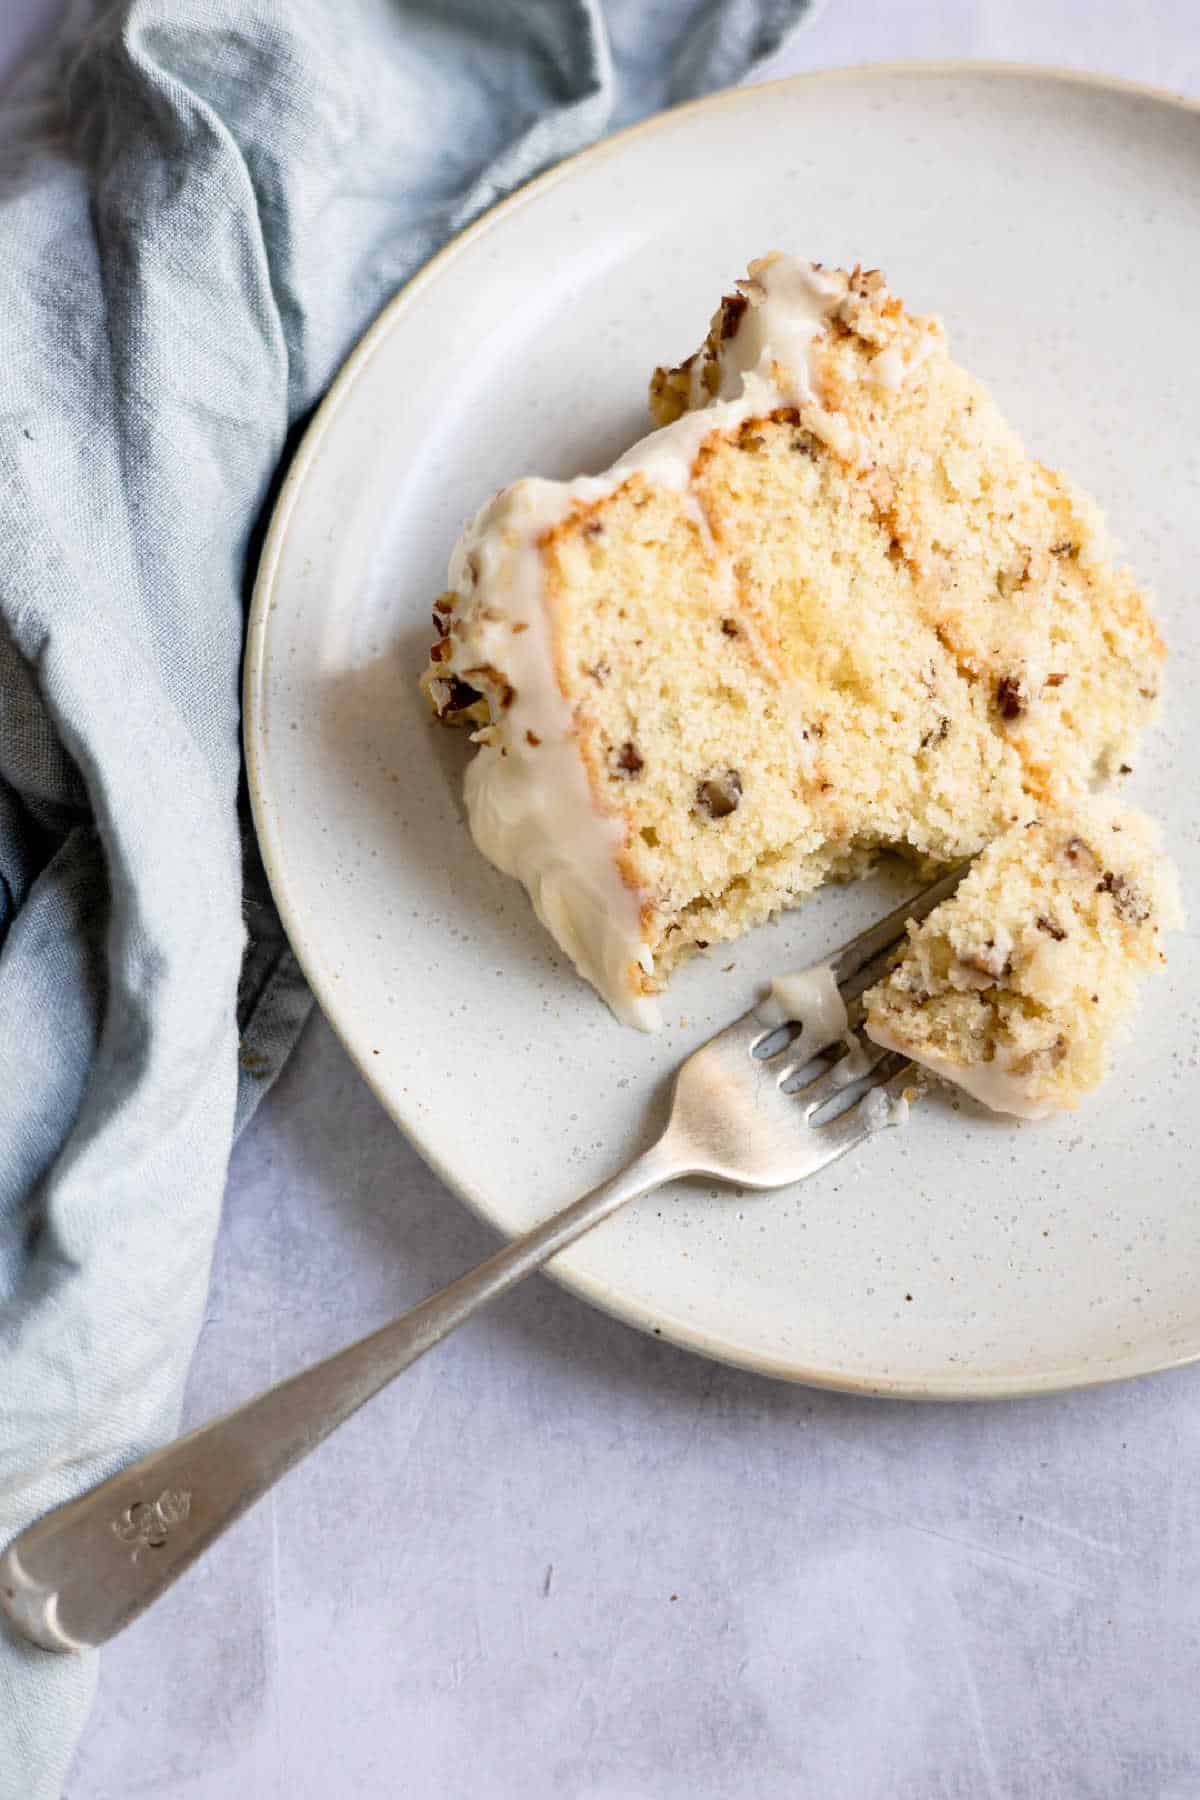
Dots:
(865, 1060)
(852, 959)
(858, 1122)
(855, 966)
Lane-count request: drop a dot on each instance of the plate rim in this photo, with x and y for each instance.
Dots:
(960, 1385)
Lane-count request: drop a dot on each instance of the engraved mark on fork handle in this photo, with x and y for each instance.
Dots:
(147, 1524)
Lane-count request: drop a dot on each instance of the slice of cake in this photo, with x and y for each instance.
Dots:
(829, 608)
(1016, 986)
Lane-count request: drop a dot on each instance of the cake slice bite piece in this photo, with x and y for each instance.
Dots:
(1015, 988)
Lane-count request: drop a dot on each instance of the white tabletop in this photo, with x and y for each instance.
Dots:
(564, 1562)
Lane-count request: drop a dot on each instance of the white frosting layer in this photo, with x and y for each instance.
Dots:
(789, 303)
(811, 999)
(879, 1109)
(991, 1084)
(808, 998)
(530, 802)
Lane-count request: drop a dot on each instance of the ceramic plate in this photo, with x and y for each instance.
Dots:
(1054, 222)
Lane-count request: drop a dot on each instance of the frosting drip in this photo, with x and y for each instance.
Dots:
(529, 803)
(993, 1085)
(809, 998)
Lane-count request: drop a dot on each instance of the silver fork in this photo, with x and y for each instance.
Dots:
(77, 1576)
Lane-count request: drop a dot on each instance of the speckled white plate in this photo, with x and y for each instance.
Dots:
(1055, 224)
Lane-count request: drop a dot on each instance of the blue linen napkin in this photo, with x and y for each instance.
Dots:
(202, 204)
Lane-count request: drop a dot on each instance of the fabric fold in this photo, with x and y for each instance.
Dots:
(204, 203)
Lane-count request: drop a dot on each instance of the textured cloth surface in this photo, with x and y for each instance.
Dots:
(202, 204)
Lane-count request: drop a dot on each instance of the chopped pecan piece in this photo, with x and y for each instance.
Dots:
(451, 696)
(732, 308)
(720, 795)
(505, 693)
(1010, 697)
(1129, 903)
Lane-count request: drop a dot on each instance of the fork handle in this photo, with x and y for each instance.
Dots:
(85, 1570)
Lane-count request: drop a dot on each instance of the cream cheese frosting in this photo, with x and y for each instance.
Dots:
(811, 999)
(879, 1109)
(530, 804)
(534, 815)
(993, 1085)
(788, 305)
